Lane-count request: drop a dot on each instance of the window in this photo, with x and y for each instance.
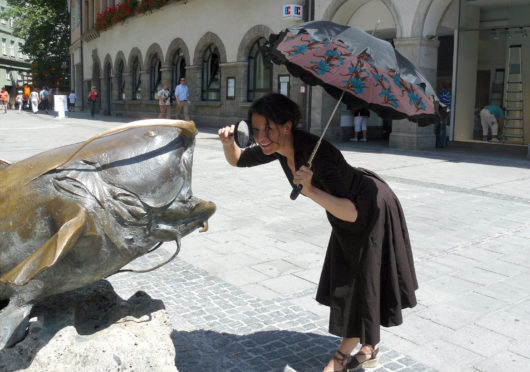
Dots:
(4, 47)
(11, 22)
(178, 68)
(155, 76)
(2, 10)
(12, 48)
(136, 80)
(210, 74)
(259, 71)
(20, 54)
(121, 82)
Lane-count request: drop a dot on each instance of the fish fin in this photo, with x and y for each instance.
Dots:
(50, 252)
(14, 322)
(4, 163)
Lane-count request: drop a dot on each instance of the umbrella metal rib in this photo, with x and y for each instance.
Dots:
(310, 161)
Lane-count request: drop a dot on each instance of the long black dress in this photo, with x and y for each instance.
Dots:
(368, 274)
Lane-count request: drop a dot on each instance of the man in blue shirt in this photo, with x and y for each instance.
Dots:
(491, 117)
(182, 94)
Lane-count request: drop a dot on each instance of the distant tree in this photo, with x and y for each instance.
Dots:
(45, 27)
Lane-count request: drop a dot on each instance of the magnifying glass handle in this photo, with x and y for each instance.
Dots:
(296, 191)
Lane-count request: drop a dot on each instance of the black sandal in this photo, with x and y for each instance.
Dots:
(354, 364)
(342, 359)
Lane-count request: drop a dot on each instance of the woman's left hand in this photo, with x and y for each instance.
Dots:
(303, 177)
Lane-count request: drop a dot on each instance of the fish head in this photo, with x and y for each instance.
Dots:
(144, 178)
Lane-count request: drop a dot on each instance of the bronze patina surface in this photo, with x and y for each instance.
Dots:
(76, 214)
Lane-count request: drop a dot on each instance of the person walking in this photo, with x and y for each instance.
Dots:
(71, 101)
(368, 275)
(360, 120)
(182, 95)
(164, 101)
(19, 100)
(491, 118)
(4, 100)
(34, 98)
(92, 97)
(441, 127)
(44, 98)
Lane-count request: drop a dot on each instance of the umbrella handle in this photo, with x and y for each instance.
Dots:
(296, 191)
(298, 188)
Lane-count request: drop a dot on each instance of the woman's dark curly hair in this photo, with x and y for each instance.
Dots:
(277, 108)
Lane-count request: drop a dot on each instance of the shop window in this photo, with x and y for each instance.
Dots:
(136, 80)
(178, 68)
(259, 71)
(211, 74)
(155, 77)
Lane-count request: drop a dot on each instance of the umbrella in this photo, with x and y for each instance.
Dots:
(359, 68)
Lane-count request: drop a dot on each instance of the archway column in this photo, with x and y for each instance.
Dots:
(144, 73)
(424, 54)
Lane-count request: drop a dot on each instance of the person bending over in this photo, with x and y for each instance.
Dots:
(368, 274)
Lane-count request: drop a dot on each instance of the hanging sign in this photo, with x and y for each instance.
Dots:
(292, 11)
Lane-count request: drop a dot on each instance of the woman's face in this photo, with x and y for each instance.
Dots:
(270, 136)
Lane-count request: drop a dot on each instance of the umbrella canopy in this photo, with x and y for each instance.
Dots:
(369, 70)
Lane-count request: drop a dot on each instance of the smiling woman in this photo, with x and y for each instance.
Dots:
(368, 275)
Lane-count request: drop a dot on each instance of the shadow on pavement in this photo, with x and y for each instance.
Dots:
(276, 350)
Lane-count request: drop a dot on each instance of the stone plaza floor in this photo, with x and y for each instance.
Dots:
(241, 295)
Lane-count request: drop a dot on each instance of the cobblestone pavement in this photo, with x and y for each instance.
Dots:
(241, 296)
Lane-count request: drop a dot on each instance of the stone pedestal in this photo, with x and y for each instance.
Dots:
(408, 135)
(424, 54)
(93, 329)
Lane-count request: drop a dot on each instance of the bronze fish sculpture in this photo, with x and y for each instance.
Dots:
(76, 214)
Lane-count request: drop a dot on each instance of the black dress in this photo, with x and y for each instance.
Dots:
(368, 274)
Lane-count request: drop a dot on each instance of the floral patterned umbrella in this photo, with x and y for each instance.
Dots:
(369, 71)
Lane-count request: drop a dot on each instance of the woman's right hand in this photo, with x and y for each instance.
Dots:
(226, 135)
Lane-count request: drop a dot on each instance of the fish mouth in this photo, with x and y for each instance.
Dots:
(180, 221)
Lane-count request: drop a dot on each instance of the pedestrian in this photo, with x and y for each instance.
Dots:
(491, 118)
(368, 275)
(92, 97)
(19, 100)
(34, 98)
(360, 120)
(441, 127)
(164, 101)
(4, 100)
(71, 101)
(182, 96)
(44, 97)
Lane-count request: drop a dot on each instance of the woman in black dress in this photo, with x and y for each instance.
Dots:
(368, 274)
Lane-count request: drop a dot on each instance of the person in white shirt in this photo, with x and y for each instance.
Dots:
(34, 98)
(164, 100)
(71, 101)
(182, 95)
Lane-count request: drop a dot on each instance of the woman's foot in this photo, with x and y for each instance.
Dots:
(367, 357)
(338, 362)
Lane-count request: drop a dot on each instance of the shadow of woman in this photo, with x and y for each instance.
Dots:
(274, 350)
(90, 309)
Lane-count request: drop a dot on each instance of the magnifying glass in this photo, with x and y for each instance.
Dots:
(243, 138)
(243, 134)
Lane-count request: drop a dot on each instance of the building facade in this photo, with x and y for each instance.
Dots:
(217, 46)
(15, 69)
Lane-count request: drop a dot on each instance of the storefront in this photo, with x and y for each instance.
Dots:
(493, 50)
